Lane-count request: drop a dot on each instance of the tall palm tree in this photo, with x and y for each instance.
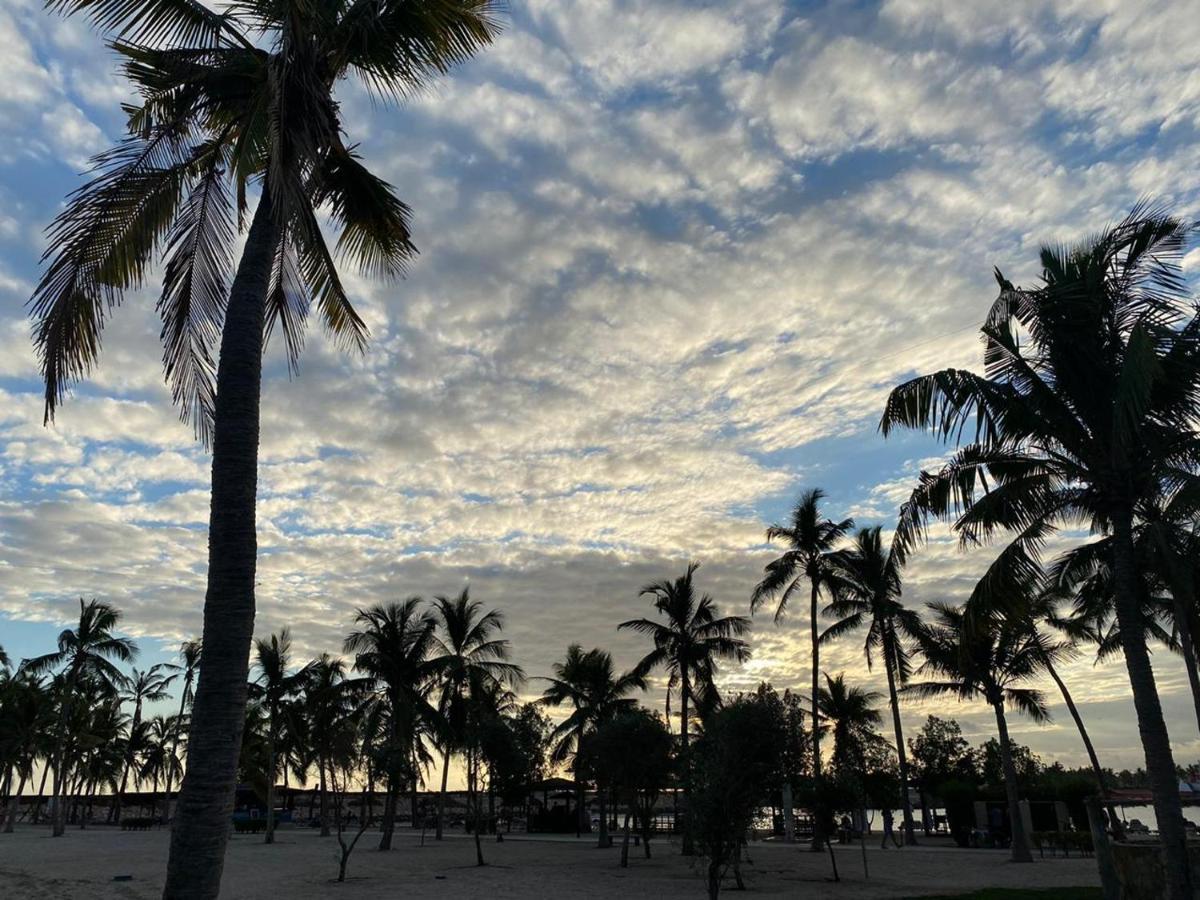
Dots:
(86, 651)
(228, 99)
(150, 685)
(869, 589)
(990, 660)
(1086, 409)
(160, 760)
(392, 646)
(810, 538)
(689, 645)
(466, 650)
(276, 684)
(590, 684)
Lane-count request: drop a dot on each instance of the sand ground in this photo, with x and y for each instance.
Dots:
(303, 866)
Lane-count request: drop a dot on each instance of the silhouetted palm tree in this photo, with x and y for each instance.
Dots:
(277, 683)
(869, 589)
(86, 651)
(26, 716)
(809, 538)
(160, 761)
(228, 98)
(140, 687)
(989, 660)
(590, 684)
(466, 649)
(392, 646)
(690, 645)
(854, 721)
(1086, 409)
(330, 700)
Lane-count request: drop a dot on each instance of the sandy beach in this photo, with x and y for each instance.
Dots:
(82, 865)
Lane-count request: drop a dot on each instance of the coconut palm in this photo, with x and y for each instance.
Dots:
(810, 538)
(853, 719)
(331, 699)
(150, 685)
(26, 716)
(590, 684)
(228, 100)
(392, 646)
(990, 660)
(1086, 410)
(160, 761)
(84, 652)
(690, 645)
(869, 582)
(466, 651)
(277, 683)
(189, 653)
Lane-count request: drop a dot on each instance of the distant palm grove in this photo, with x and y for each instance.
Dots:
(1081, 429)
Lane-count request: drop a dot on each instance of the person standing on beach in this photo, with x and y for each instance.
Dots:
(888, 830)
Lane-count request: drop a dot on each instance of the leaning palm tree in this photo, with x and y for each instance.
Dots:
(230, 100)
(392, 646)
(590, 684)
(84, 652)
(689, 645)
(869, 587)
(466, 651)
(990, 660)
(140, 687)
(810, 539)
(276, 685)
(160, 761)
(189, 653)
(1086, 410)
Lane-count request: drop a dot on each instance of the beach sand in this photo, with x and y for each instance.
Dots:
(81, 865)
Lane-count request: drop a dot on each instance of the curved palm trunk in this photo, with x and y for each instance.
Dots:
(206, 798)
(818, 838)
(37, 806)
(325, 832)
(126, 765)
(1160, 764)
(1101, 781)
(910, 835)
(442, 793)
(1020, 840)
(1188, 649)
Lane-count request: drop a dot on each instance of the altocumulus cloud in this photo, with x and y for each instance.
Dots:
(673, 257)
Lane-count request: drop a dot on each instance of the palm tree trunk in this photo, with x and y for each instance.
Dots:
(389, 812)
(269, 837)
(1160, 764)
(685, 695)
(1101, 781)
(625, 842)
(416, 777)
(324, 798)
(13, 802)
(1020, 841)
(910, 836)
(580, 813)
(37, 806)
(818, 838)
(602, 795)
(58, 811)
(442, 793)
(202, 819)
(126, 765)
(1188, 648)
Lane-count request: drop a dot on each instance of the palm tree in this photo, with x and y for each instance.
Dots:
(227, 99)
(854, 721)
(689, 645)
(160, 760)
(466, 650)
(330, 700)
(869, 587)
(1083, 421)
(26, 716)
(990, 660)
(84, 652)
(810, 539)
(140, 687)
(393, 647)
(190, 652)
(277, 683)
(597, 694)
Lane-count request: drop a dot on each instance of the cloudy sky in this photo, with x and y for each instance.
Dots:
(673, 256)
